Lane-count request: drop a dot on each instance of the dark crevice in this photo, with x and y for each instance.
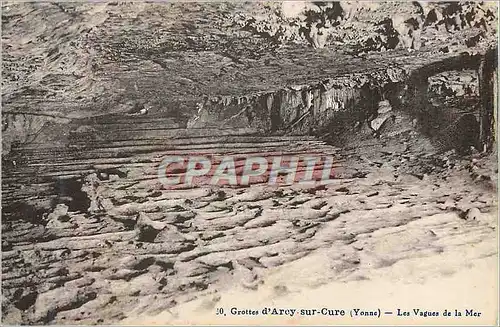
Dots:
(69, 191)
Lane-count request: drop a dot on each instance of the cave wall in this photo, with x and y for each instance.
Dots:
(488, 79)
(303, 109)
(334, 106)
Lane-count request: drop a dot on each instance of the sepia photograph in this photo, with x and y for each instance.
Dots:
(249, 163)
